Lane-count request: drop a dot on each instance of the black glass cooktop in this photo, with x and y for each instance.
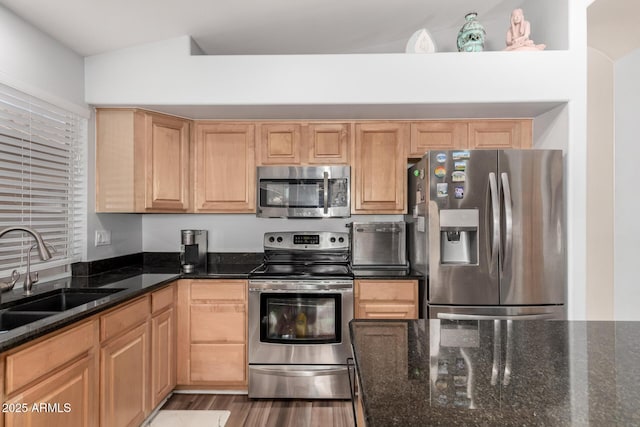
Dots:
(301, 270)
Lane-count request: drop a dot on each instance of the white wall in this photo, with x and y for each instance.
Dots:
(627, 176)
(34, 63)
(235, 233)
(165, 73)
(600, 184)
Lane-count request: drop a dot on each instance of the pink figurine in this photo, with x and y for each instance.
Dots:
(518, 33)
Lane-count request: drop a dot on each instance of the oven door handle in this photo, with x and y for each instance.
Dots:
(305, 372)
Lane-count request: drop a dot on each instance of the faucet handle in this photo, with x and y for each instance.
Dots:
(34, 277)
(7, 286)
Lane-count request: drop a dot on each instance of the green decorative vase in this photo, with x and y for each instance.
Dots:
(471, 35)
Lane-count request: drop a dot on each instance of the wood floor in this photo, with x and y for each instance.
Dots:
(247, 412)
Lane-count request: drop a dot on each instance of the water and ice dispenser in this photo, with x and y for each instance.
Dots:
(459, 236)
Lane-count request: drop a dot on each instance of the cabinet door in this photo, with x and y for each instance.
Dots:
(437, 135)
(327, 143)
(212, 333)
(279, 144)
(66, 398)
(500, 134)
(124, 379)
(225, 168)
(379, 173)
(167, 160)
(163, 356)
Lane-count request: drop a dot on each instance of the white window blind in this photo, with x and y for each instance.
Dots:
(42, 181)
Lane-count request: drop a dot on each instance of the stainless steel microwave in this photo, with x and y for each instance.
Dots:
(303, 191)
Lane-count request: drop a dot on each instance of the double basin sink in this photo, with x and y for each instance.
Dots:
(48, 304)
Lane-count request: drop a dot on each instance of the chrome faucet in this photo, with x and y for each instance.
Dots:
(43, 252)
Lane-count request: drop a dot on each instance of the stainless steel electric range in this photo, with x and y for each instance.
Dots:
(300, 305)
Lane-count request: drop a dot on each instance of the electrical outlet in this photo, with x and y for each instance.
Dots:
(103, 237)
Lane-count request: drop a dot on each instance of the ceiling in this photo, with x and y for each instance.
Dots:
(91, 27)
(612, 26)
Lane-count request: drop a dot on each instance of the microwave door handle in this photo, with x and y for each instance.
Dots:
(326, 192)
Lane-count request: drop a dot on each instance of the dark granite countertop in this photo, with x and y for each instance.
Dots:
(134, 280)
(498, 373)
(131, 286)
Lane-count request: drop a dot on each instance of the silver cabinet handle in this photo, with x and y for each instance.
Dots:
(326, 192)
(495, 218)
(508, 220)
(455, 316)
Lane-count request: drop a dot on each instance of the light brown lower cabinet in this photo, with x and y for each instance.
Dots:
(212, 334)
(163, 344)
(125, 392)
(53, 382)
(386, 299)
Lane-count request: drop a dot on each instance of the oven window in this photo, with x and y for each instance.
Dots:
(300, 318)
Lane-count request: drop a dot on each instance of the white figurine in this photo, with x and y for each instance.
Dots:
(518, 33)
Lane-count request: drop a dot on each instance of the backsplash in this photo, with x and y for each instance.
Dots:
(160, 262)
(234, 233)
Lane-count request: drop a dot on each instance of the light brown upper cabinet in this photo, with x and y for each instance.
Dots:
(437, 135)
(500, 134)
(225, 168)
(327, 143)
(279, 144)
(379, 168)
(142, 162)
(303, 143)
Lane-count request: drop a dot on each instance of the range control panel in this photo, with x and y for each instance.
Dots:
(312, 240)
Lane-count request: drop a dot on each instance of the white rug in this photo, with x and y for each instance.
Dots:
(195, 418)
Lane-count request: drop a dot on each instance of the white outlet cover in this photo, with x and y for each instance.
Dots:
(103, 237)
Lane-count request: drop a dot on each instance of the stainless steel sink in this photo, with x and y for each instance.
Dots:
(61, 300)
(14, 319)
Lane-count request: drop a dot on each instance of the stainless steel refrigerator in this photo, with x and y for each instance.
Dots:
(487, 227)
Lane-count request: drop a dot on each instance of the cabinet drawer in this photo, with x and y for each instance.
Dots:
(232, 290)
(398, 290)
(123, 319)
(162, 299)
(218, 363)
(40, 359)
(218, 322)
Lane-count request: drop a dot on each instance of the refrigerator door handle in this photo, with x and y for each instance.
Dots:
(508, 220)
(455, 316)
(495, 218)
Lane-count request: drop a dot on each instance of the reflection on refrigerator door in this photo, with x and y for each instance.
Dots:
(488, 364)
(463, 365)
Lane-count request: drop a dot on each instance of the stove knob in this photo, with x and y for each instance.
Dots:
(271, 239)
(341, 239)
(332, 240)
(279, 239)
